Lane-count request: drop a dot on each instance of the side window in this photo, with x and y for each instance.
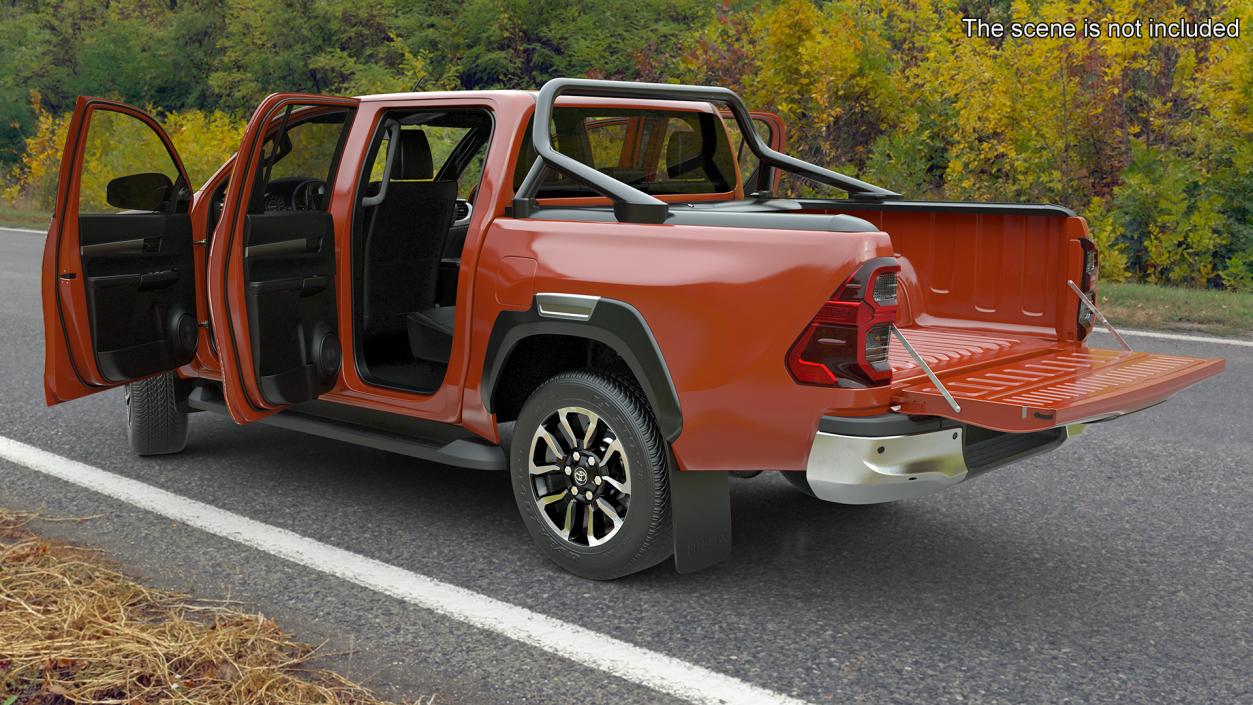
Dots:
(379, 161)
(470, 177)
(299, 160)
(126, 167)
(607, 141)
(749, 163)
(681, 158)
(456, 139)
(447, 145)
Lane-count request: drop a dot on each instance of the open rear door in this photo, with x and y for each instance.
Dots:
(1062, 384)
(272, 265)
(119, 298)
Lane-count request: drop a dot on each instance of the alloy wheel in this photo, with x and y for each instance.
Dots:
(580, 476)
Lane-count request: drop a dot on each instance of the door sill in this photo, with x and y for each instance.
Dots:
(448, 446)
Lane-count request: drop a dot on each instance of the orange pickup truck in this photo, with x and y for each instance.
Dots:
(614, 308)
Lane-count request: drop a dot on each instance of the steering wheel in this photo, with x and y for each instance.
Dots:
(308, 195)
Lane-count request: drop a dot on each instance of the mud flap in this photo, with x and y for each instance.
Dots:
(700, 504)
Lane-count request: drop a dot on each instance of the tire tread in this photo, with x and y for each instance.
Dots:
(155, 424)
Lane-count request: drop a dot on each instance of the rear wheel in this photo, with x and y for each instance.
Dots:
(154, 423)
(590, 476)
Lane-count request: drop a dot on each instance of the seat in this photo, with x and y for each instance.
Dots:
(430, 333)
(404, 245)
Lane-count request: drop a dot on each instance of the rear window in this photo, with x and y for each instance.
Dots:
(656, 151)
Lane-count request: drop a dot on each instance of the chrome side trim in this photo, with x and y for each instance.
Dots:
(869, 470)
(571, 307)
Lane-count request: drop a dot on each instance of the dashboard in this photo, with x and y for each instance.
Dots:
(294, 193)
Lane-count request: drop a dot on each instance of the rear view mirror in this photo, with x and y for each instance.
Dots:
(140, 192)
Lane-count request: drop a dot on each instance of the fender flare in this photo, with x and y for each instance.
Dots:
(614, 323)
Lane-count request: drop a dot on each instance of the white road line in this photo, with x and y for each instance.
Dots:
(25, 230)
(633, 663)
(1180, 336)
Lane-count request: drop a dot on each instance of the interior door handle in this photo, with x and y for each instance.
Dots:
(157, 280)
(312, 285)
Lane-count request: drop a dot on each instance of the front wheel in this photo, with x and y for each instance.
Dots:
(155, 425)
(590, 476)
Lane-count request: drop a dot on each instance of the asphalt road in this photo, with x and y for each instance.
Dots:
(1114, 570)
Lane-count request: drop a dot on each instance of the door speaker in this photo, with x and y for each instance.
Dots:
(327, 356)
(185, 333)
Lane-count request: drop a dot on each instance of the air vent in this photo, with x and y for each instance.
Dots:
(462, 211)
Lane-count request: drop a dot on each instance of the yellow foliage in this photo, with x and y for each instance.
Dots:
(1104, 230)
(34, 181)
(118, 145)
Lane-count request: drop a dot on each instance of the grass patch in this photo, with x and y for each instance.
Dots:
(24, 218)
(74, 630)
(1180, 309)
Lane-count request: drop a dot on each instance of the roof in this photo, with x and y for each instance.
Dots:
(588, 101)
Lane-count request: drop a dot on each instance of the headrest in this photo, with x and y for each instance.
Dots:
(413, 158)
(682, 154)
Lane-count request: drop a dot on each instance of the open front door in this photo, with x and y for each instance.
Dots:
(272, 265)
(119, 297)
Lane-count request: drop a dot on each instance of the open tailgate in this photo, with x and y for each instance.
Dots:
(1055, 387)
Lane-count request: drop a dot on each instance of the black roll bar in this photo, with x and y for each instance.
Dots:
(631, 204)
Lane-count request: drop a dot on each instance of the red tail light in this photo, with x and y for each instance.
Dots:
(846, 343)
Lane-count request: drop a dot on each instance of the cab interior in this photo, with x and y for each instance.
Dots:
(416, 199)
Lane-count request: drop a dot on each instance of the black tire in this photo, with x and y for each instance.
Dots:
(154, 423)
(797, 480)
(644, 536)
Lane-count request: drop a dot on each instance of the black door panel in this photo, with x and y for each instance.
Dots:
(139, 279)
(289, 269)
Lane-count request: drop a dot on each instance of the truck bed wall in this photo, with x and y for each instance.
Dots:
(993, 270)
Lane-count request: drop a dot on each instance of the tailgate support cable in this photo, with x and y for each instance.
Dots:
(1097, 312)
(927, 368)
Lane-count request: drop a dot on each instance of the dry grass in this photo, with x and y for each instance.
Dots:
(33, 218)
(1207, 311)
(73, 630)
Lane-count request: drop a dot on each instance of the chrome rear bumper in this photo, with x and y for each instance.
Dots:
(868, 469)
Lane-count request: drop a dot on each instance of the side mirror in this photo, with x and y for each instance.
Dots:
(139, 192)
